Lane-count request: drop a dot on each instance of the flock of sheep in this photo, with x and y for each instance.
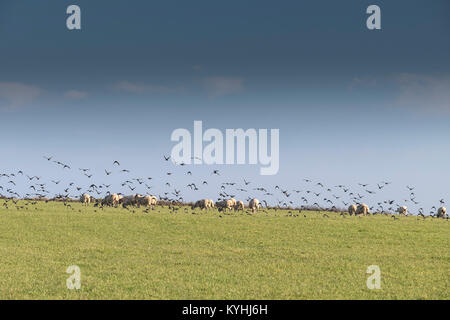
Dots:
(224, 205)
(116, 199)
(403, 210)
(146, 201)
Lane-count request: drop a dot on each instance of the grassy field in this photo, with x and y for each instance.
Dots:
(166, 255)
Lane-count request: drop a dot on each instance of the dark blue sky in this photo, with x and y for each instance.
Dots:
(351, 104)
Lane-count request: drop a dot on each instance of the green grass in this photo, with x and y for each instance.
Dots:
(164, 255)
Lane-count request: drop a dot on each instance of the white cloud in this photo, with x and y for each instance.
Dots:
(219, 86)
(133, 87)
(424, 92)
(411, 91)
(75, 94)
(15, 95)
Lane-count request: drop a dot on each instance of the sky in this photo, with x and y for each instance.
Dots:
(352, 105)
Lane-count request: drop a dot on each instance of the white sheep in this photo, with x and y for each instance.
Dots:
(362, 209)
(254, 204)
(403, 210)
(442, 212)
(85, 199)
(352, 209)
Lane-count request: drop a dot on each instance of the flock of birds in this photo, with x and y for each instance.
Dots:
(314, 195)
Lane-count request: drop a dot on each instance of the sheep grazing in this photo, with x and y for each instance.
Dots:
(202, 204)
(115, 199)
(362, 209)
(85, 199)
(239, 205)
(403, 210)
(442, 212)
(129, 200)
(224, 205)
(154, 200)
(107, 201)
(111, 200)
(144, 200)
(254, 205)
(209, 204)
(138, 199)
(352, 209)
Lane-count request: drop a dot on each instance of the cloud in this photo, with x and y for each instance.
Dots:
(75, 94)
(219, 86)
(133, 87)
(411, 91)
(15, 95)
(424, 92)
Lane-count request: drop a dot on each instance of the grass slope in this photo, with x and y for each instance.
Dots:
(164, 255)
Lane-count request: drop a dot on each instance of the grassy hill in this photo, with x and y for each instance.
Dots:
(166, 255)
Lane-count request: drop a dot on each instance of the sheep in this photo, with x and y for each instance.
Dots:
(403, 210)
(352, 209)
(234, 202)
(129, 200)
(85, 199)
(224, 205)
(144, 200)
(115, 199)
(442, 212)
(202, 204)
(362, 209)
(138, 200)
(154, 201)
(111, 200)
(107, 200)
(239, 205)
(254, 204)
(210, 204)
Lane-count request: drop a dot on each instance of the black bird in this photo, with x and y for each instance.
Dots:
(363, 184)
